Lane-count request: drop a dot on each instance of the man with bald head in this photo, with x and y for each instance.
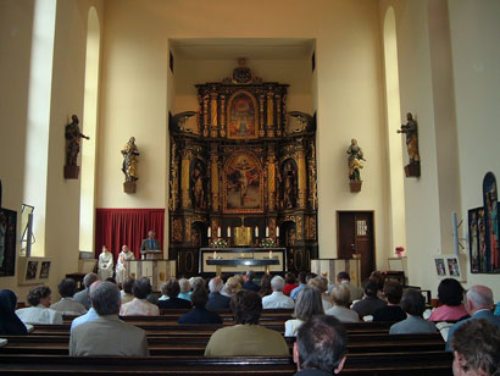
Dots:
(479, 304)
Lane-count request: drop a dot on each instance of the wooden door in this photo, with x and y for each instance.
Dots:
(356, 235)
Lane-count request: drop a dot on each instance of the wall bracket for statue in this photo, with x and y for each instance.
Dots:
(410, 129)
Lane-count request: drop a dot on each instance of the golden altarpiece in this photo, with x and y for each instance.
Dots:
(241, 169)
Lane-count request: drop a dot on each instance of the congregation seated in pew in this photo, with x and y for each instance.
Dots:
(91, 314)
(39, 299)
(451, 308)
(321, 347)
(139, 305)
(247, 337)
(107, 335)
(10, 324)
(126, 292)
(217, 301)
(199, 314)
(83, 297)
(371, 301)
(320, 283)
(308, 304)
(277, 299)
(476, 349)
(67, 305)
(170, 296)
(392, 312)
(341, 299)
(413, 303)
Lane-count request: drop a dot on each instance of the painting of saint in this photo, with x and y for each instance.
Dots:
(243, 184)
(473, 241)
(490, 196)
(242, 117)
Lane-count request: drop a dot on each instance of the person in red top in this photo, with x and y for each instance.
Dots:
(290, 283)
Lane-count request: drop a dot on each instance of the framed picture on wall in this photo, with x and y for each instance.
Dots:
(440, 266)
(8, 222)
(45, 270)
(453, 265)
(31, 270)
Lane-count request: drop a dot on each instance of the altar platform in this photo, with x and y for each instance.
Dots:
(238, 260)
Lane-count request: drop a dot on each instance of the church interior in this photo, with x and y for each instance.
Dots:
(242, 113)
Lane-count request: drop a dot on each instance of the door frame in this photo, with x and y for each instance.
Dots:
(372, 214)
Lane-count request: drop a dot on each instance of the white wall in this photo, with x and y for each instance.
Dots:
(475, 32)
(59, 241)
(348, 55)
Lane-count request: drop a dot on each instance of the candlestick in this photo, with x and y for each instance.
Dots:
(219, 232)
(228, 231)
(209, 232)
(267, 231)
(256, 232)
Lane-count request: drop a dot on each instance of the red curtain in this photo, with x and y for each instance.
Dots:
(116, 227)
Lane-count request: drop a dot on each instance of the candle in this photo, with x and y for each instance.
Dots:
(270, 254)
(277, 231)
(209, 232)
(256, 232)
(215, 255)
(228, 231)
(219, 232)
(267, 231)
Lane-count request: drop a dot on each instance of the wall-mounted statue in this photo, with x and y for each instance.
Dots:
(73, 138)
(354, 161)
(410, 129)
(129, 165)
(290, 189)
(198, 179)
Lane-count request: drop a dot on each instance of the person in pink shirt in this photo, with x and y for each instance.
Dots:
(450, 294)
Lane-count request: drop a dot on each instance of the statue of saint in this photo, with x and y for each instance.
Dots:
(354, 160)
(73, 138)
(410, 129)
(130, 154)
(198, 186)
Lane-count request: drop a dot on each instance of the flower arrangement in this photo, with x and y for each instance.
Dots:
(219, 243)
(400, 251)
(267, 243)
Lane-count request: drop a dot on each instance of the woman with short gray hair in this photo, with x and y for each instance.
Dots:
(341, 297)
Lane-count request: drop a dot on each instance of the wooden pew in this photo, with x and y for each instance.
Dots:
(408, 364)
(192, 346)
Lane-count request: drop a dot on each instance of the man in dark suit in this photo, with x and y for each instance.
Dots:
(172, 289)
(150, 243)
(249, 284)
(217, 301)
(199, 314)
